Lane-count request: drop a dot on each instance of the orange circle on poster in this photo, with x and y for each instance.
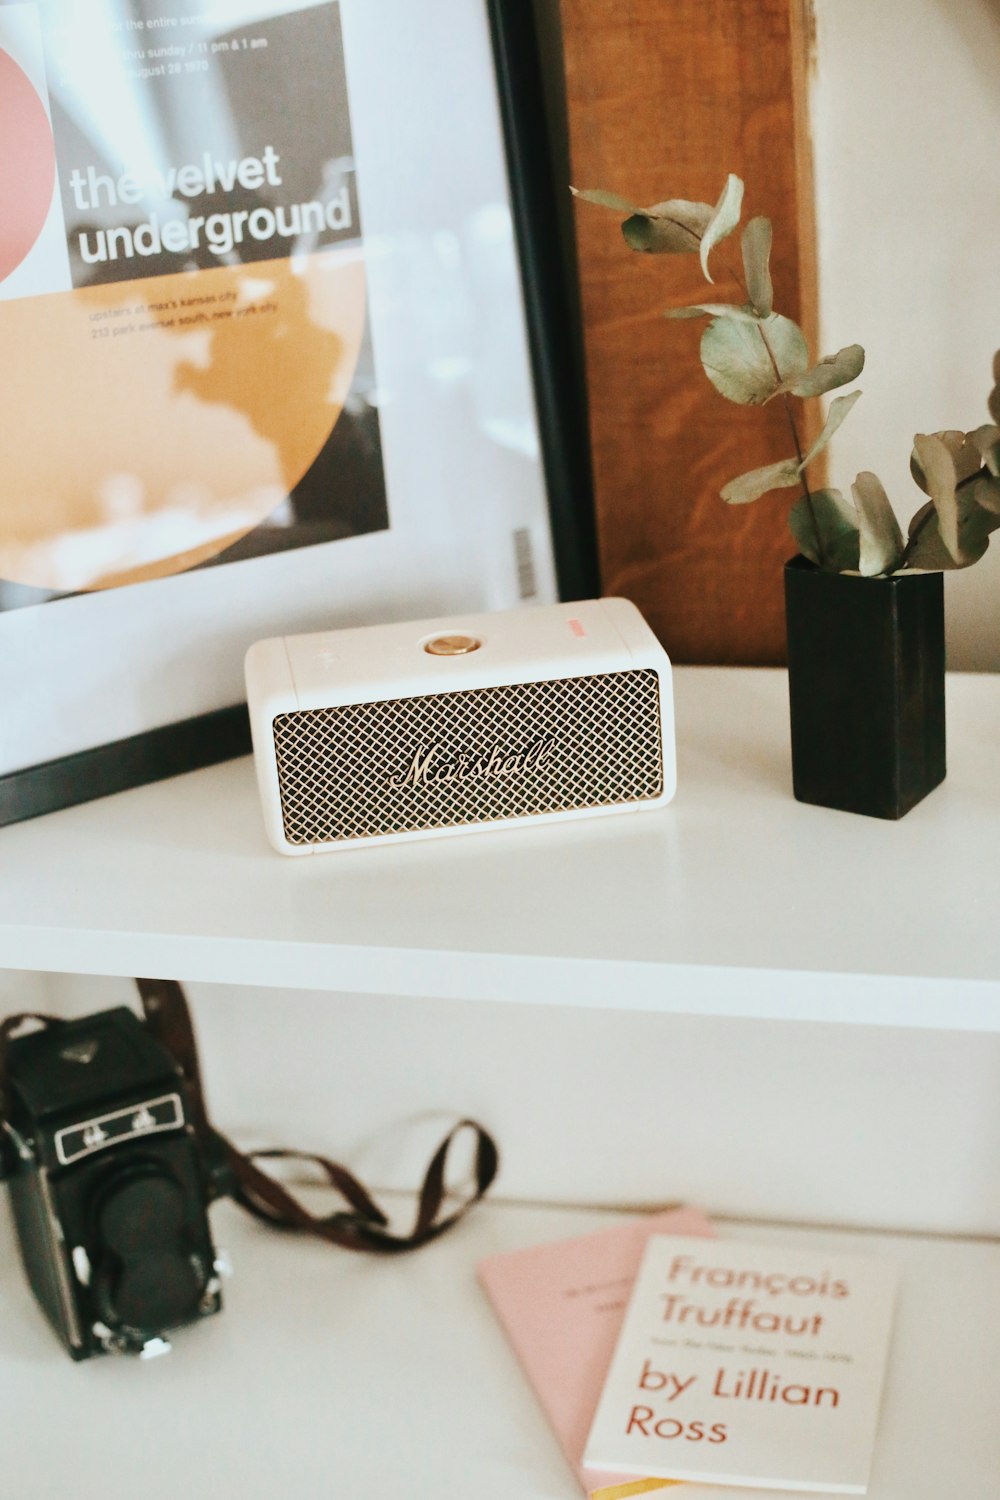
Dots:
(29, 165)
(151, 423)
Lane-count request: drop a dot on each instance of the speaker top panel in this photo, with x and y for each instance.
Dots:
(423, 656)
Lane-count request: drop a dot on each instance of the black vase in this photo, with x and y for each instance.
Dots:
(866, 688)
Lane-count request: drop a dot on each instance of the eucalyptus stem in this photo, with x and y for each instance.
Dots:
(806, 492)
(741, 286)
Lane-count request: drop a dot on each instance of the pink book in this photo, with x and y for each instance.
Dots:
(562, 1307)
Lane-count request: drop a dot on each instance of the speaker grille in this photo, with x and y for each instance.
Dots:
(596, 741)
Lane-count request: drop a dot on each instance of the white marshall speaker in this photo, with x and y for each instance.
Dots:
(392, 732)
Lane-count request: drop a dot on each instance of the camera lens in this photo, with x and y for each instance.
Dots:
(148, 1277)
(141, 1214)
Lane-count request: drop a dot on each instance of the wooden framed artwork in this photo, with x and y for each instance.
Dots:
(279, 358)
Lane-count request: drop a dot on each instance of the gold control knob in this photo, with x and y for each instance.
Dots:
(452, 645)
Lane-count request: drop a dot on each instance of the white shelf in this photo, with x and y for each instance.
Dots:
(735, 900)
(329, 1374)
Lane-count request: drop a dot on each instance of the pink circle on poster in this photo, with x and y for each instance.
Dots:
(29, 166)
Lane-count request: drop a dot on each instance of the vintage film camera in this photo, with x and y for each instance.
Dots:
(109, 1184)
(112, 1163)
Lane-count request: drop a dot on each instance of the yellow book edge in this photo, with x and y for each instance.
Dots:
(633, 1487)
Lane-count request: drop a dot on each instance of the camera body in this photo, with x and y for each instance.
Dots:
(109, 1185)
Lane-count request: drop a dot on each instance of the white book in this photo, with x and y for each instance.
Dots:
(747, 1365)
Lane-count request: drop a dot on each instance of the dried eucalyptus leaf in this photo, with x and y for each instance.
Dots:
(986, 492)
(881, 537)
(658, 236)
(975, 522)
(786, 343)
(693, 216)
(984, 438)
(714, 310)
(672, 228)
(965, 454)
(916, 471)
(839, 407)
(928, 553)
(994, 399)
(937, 463)
(746, 362)
(724, 220)
(606, 200)
(986, 441)
(756, 245)
(835, 370)
(826, 531)
(750, 486)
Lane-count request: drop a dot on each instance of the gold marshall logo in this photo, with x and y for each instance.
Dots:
(427, 768)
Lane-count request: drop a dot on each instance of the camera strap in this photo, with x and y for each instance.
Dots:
(363, 1226)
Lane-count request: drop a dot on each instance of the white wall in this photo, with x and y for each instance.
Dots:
(906, 121)
(850, 1125)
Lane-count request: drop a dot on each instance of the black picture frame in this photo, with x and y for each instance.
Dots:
(552, 325)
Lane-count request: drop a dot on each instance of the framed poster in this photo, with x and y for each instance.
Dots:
(273, 360)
